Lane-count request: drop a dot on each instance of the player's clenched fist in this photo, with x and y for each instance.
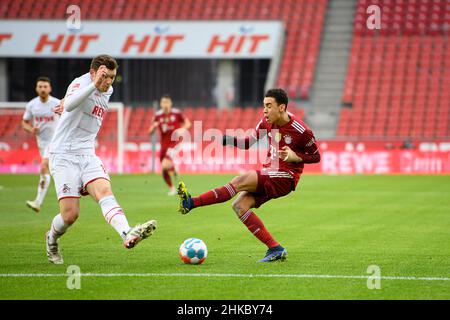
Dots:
(100, 77)
(286, 154)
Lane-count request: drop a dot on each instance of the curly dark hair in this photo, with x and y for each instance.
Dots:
(279, 95)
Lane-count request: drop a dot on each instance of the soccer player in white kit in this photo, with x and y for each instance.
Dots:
(74, 166)
(40, 120)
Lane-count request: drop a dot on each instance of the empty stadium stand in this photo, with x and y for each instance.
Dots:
(398, 79)
(11, 131)
(303, 21)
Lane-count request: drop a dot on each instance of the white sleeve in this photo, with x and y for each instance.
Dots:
(56, 115)
(27, 116)
(76, 94)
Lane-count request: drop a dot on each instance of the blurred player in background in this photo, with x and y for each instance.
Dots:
(291, 145)
(74, 166)
(40, 121)
(168, 120)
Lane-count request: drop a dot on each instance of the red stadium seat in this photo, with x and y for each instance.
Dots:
(408, 78)
(309, 17)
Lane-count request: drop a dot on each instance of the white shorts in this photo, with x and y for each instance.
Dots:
(72, 173)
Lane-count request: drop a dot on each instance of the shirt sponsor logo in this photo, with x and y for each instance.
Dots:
(44, 119)
(278, 137)
(98, 111)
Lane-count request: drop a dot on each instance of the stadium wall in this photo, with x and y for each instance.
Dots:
(338, 157)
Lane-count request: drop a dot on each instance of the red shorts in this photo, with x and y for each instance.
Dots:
(166, 153)
(272, 184)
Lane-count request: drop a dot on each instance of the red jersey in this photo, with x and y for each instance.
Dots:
(296, 135)
(168, 123)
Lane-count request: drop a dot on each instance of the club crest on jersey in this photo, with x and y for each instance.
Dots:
(278, 137)
(287, 139)
(65, 188)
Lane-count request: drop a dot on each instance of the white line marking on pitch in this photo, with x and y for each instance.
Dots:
(216, 275)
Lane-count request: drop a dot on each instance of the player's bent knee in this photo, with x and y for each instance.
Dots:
(70, 219)
(70, 215)
(239, 208)
(237, 182)
(99, 189)
(245, 182)
(166, 165)
(102, 192)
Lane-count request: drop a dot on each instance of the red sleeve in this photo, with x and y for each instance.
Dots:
(259, 132)
(308, 149)
(181, 118)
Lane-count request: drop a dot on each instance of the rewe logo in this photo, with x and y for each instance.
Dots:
(98, 111)
(44, 119)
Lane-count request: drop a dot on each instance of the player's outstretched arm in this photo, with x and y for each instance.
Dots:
(244, 143)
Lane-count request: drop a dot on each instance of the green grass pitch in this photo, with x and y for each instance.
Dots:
(331, 226)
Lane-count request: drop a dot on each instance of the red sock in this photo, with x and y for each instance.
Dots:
(217, 195)
(167, 178)
(256, 226)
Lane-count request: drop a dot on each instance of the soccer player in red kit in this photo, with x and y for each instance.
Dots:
(291, 145)
(168, 120)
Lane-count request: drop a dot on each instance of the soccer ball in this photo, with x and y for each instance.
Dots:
(193, 251)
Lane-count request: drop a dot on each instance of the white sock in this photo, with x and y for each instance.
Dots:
(57, 229)
(44, 182)
(114, 215)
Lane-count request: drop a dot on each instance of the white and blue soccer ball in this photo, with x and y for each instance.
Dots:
(193, 251)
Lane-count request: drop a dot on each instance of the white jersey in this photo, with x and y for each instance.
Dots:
(42, 116)
(77, 129)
